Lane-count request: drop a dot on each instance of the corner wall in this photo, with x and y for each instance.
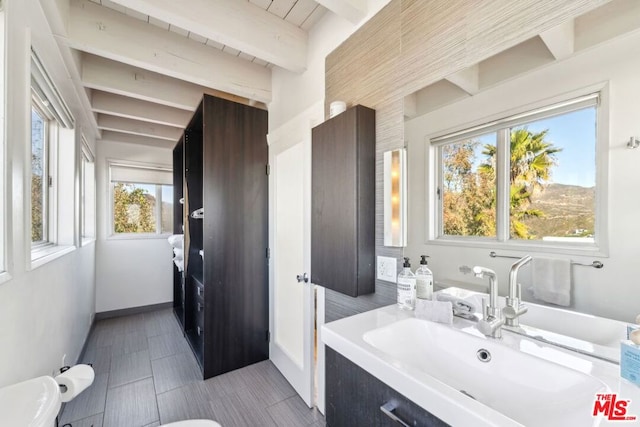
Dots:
(130, 272)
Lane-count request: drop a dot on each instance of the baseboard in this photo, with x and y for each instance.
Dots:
(133, 310)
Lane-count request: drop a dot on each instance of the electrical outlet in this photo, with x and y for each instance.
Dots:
(387, 268)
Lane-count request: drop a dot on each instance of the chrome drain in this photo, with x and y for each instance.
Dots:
(483, 355)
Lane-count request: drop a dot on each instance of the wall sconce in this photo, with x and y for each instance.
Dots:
(633, 142)
(395, 204)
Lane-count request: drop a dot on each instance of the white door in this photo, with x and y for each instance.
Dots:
(291, 296)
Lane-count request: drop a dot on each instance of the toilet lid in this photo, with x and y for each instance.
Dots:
(193, 423)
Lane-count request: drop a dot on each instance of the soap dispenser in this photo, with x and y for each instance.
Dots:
(406, 287)
(424, 280)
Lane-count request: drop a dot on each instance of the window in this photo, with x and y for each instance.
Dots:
(530, 177)
(87, 193)
(142, 200)
(41, 181)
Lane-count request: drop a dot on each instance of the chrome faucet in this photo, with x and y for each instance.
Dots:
(514, 308)
(491, 323)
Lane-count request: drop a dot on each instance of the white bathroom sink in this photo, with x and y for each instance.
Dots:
(32, 403)
(527, 389)
(586, 333)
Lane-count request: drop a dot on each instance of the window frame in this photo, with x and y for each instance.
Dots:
(86, 157)
(547, 108)
(48, 209)
(158, 234)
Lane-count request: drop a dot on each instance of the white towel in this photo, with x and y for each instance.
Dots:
(460, 305)
(179, 263)
(177, 240)
(179, 254)
(551, 280)
(436, 311)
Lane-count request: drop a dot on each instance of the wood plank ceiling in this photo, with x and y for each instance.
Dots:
(144, 64)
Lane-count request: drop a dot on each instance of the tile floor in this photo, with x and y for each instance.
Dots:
(146, 375)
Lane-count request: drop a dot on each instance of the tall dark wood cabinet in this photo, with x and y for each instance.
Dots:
(343, 202)
(226, 235)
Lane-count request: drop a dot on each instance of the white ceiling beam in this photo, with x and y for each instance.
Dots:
(95, 29)
(352, 10)
(237, 24)
(122, 79)
(131, 108)
(560, 40)
(137, 127)
(127, 138)
(467, 79)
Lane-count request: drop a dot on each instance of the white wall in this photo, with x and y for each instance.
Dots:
(44, 313)
(129, 272)
(612, 291)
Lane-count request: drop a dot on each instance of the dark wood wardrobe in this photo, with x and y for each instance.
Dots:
(225, 217)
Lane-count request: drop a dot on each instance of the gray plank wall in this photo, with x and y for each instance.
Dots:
(408, 45)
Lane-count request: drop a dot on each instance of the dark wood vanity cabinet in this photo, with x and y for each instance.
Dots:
(178, 182)
(343, 202)
(354, 398)
(226, 317)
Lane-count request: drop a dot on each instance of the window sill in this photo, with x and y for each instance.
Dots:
(541, 247)
(86, 241)
(141, 236)
(44, 255)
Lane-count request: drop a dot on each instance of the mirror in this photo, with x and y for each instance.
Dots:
(579, 206)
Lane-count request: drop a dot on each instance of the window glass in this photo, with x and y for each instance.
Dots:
(167, 209)
(469, 187)
(553, 178)
(134, 207)
(39, 177)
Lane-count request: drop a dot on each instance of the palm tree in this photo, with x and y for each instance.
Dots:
(532, 159)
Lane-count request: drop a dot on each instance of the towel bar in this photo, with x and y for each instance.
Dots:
(594, 264)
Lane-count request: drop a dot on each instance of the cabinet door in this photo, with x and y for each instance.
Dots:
(333, 205)
(354, 398)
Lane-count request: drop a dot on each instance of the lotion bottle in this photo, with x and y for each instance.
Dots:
(406, 287)
(424, 280)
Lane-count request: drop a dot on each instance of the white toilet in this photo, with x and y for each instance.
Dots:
(36, 403)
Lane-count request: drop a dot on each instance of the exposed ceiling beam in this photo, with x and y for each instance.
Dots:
(122, 79)
(352, 10)
(96, 29)
(128, 138)
(560, 40)
(467, 79)
(131, 108)
(137, 127)
(237, 24)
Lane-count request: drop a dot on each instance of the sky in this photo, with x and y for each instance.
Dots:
(575, 133)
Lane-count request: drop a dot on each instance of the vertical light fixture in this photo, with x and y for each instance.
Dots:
(395, 204)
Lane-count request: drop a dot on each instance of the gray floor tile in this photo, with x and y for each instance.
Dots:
(131, 405)
(89, 402)
(225, 384)
(99, 358)
(167, 345)
(94, 421)
(293, 412)
(266, 383)
(128, 368)
(129, 342)
(175, 371)
(161, 322)
(234, 411)
(185, 403)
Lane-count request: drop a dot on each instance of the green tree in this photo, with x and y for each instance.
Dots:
(469, 200)
(132, 209)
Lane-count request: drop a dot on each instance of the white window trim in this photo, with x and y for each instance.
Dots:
(599, 248)
(111, 234)
(86, 156)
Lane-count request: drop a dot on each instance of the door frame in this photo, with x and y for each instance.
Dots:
(290, 133)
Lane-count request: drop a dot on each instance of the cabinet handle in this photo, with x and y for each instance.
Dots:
(199, 307)
(199, 291)
(198, 330)
(388, 409)
(302, 278)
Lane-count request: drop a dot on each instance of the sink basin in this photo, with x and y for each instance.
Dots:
(32, 403)
(527, 389)
(583, 332)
